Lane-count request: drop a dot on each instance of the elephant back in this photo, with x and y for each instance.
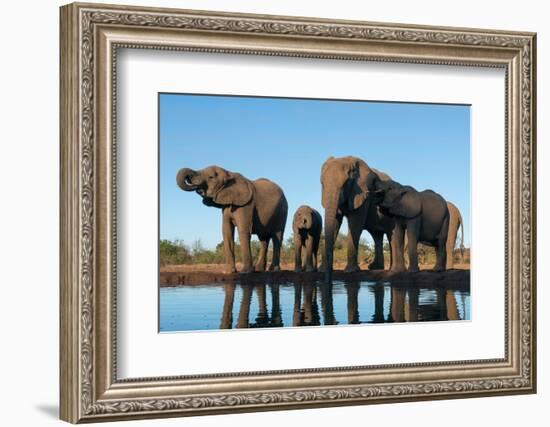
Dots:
(270, 201)
(434, 205)
(266, 189)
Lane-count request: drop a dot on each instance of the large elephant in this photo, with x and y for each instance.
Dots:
(346, 191)
(423, 216)
(255, 207)
(455, 222)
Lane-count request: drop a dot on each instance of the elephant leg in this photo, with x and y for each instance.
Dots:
(355, 227)
(315, 261)
(315, 251)
(228, 230)
(389, 236)
(378, 262)
(397, 246)
(297, 253)
(440, 257)
(244, 238)
(451, 242)
(277, 242)
(309, 254)
(412, 241)
(337, 225)
(262, 258)
(441, 247)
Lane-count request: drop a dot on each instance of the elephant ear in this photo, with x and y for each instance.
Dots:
(382, 176)
(236, 191)
(408, 205)
(362, 175)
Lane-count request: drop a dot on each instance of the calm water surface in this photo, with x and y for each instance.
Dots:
(227, 306)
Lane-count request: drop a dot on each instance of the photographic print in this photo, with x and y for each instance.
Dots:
(289, 212)
(291, 183)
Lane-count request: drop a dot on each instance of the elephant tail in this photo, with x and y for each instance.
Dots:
(461, 225)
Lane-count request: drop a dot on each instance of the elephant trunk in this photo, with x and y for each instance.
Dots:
(330, 231)
(304, 224)
(184, 179)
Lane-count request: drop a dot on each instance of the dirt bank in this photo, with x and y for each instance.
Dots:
(458, 279)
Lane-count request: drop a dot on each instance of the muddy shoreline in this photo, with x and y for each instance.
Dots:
(451, 279)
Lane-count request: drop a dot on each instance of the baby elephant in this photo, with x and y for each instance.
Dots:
(306, 225)
(423, 215)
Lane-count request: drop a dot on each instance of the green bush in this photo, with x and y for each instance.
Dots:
(177, 252)
(173, 252)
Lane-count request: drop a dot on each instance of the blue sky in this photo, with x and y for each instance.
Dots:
(287, 141)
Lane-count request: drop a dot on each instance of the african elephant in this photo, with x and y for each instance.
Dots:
(423, 215)
(255, 207)
(307, 225)
(346, 191)
(455, 222)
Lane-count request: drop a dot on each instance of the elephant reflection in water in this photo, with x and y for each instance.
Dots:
(352, 290)
(227, 312)
(307, 313)
(378, 291)
(405, 307)
(314, 306)
(262, 319)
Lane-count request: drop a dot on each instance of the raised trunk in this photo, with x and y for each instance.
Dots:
(184, 178)
(330, 229)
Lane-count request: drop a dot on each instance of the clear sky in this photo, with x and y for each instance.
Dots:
(287, 141)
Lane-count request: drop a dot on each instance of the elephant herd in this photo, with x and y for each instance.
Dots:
(369, 199)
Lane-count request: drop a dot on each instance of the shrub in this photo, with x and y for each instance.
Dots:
(173, 252)
(176, 252)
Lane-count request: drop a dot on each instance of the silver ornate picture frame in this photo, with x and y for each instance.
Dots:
(90, 37)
